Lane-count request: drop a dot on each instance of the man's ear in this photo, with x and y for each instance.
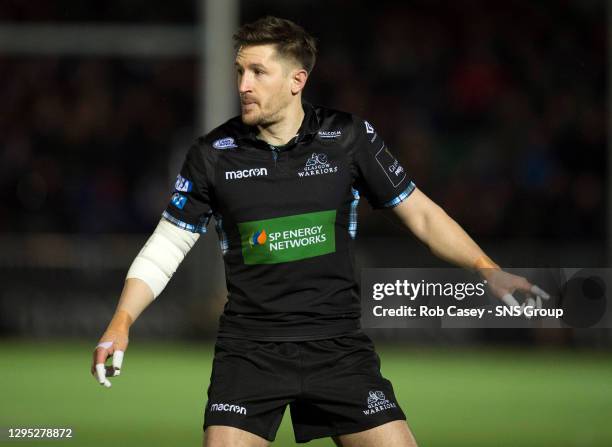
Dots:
(298, 80)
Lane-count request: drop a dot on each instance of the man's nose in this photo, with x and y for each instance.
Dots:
(244, 84)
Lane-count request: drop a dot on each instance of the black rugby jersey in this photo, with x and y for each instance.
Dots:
(286, 219)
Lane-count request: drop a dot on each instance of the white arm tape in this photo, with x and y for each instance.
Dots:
(161, 255)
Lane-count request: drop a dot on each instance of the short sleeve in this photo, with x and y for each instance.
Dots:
(190, 205)
(379, 176)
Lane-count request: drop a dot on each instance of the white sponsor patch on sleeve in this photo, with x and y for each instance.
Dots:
(391, 166)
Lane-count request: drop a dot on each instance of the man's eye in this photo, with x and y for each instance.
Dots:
(258, 72)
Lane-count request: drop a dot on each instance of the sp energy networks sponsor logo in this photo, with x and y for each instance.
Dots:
(288, 238)
(224, 143)
(229, 408)
(317, 164)
(378, 402)
(182, 184)
(244, 173)
(258, 238)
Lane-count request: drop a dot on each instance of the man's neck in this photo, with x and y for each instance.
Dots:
(282, 131)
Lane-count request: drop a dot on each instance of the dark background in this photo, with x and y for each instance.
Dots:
(496, 109)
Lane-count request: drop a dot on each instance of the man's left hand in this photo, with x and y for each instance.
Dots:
(503, 285)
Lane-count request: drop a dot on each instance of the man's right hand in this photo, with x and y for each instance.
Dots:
(113, 343)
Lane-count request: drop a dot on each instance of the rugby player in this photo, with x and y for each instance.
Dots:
(283, 181)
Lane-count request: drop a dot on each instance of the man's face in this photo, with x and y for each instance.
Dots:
(264, 84)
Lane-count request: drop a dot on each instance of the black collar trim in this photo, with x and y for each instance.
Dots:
(310, 126)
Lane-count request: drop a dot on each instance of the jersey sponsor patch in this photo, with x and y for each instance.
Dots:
(178, 200)
(224, 143)
(391, 166)
(182, 184)
(288, 238)
(330, 134)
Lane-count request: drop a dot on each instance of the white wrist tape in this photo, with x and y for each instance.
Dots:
(161, 255)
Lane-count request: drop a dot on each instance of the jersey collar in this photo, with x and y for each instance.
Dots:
(308, 129)
(310, 124)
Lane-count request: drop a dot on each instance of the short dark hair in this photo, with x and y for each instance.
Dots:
(290, 39)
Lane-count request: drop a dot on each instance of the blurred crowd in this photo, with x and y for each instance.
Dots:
(115, 11)
(496, 109)
(86, 142)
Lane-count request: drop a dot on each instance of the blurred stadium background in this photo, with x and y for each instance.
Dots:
(497, 109)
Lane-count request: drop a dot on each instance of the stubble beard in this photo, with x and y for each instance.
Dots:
(266, 118)
(254, 119)
(261, 119)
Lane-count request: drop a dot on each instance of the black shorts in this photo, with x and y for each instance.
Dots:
(333, 387)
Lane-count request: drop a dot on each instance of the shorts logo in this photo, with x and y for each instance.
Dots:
(228, 407)
(368, 127)
(316, 165)
(389, 164)
(378, 402)
(244, 173)
(224, 143)
(288, 238)
(182, 184)
(178, 200)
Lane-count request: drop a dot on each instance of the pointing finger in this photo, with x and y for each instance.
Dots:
(101, 375)
(117, 361)
(100, 356)
(539, 292)
(509, 300)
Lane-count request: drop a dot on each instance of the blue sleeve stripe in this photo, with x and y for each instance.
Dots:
(223, 240)
(401, 197)
(200, 228)
(353, 214)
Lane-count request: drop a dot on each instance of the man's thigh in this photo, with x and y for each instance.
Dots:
(251, 384)
(223, 436)
(391, 434)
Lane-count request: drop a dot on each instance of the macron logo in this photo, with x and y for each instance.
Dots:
(256, 172)
(227, 407)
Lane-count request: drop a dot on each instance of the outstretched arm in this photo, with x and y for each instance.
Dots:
(448, 241)
(436, 229)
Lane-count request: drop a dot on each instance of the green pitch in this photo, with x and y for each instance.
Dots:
(451, 397)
